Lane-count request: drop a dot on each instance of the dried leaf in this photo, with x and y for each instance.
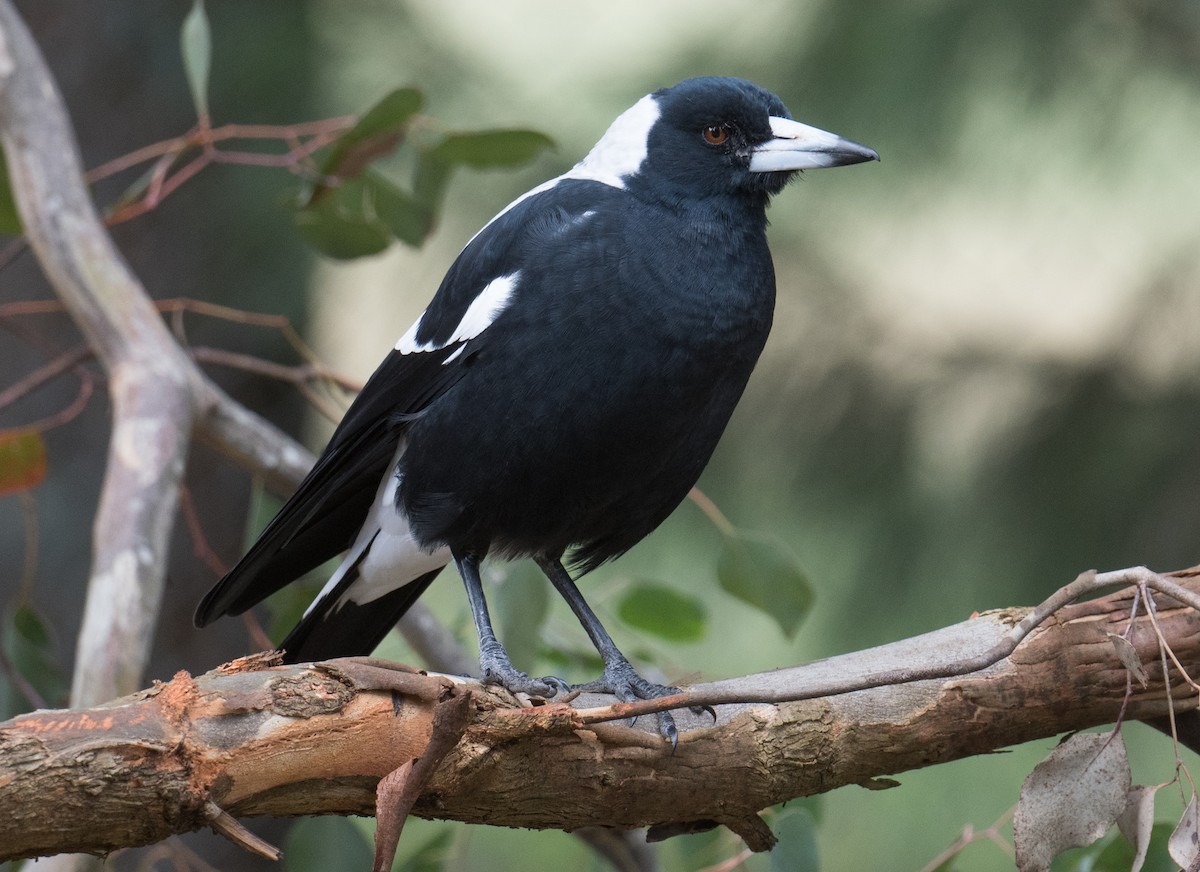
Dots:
(22, 460)
(1137, 822)
(1071, 798)
(1129, 658)
(1184, 844)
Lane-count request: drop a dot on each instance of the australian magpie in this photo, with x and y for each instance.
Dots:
(563, 390)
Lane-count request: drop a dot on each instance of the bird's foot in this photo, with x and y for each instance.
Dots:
(622, 681)
(496, 668)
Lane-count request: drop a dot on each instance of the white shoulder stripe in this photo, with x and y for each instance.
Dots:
(619, 153)
(484, 309)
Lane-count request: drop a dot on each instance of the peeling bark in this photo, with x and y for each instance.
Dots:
(293, 740)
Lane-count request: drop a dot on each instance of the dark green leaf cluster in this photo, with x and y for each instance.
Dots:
(355, 210)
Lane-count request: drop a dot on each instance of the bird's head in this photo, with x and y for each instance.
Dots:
(715, 136)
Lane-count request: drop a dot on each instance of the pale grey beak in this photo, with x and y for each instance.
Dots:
(796, 146)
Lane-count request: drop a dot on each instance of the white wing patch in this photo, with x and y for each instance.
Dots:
(484, 309)
(393, 557)
(619, 153)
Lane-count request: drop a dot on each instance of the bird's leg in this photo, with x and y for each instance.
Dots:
(620, 678)
(493, 659)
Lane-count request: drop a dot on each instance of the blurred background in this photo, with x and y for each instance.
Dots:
(984, 375)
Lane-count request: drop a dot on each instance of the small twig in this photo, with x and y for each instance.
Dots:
(1088, 582)
(715, 515)
(10, 251)
(970, 836)
(21, 683)
(300, 377)
(29, 564)
(43, 374)
(87, 385)
(254, 629)
(730, 863)
(200, 547)
(229, 827)
(1151, 612)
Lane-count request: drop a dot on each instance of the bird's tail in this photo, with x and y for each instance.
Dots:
(335, 626)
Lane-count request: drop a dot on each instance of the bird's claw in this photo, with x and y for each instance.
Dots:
(622, 681)
(498, 669)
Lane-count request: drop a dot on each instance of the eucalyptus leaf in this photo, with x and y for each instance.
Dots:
(408, 219)
(195, 38)
(761, 572)
(377, 133)
(345, 225)
(489, 149)
(1071, 798)
(663, 611)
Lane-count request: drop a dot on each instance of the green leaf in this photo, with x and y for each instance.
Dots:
(22, 460)
(408, 220)
(1113, 853)
(195, 40)
(10, 221)
(797, 847)
(522, 603)
(489, 149)
(318, 844)
(483, 150)
(29, 649)
(760, 571)
(345, 225)
(663, 611)
(377, 133)
(362, 217)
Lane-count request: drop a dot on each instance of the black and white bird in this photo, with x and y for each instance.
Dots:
(563, 390)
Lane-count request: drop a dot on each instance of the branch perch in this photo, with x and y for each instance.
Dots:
(317, 739)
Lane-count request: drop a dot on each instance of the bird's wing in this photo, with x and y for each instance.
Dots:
(324, 516)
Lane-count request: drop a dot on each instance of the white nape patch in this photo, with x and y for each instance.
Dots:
(623, 148)
(484, 309)
(393, 557)
(619, 153)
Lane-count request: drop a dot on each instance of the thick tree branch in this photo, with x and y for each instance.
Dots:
(317, 739)
(157, 393)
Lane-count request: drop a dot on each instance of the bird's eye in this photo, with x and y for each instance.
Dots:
(716, 134)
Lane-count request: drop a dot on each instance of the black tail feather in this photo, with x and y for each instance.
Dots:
(353, 629)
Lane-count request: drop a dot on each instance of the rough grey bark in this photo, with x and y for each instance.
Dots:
(305, 740)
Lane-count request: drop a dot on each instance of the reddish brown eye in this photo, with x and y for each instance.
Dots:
(716, 134)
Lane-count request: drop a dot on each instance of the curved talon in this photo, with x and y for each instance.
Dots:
(623, 682)
(698, 710)
(556, 684)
